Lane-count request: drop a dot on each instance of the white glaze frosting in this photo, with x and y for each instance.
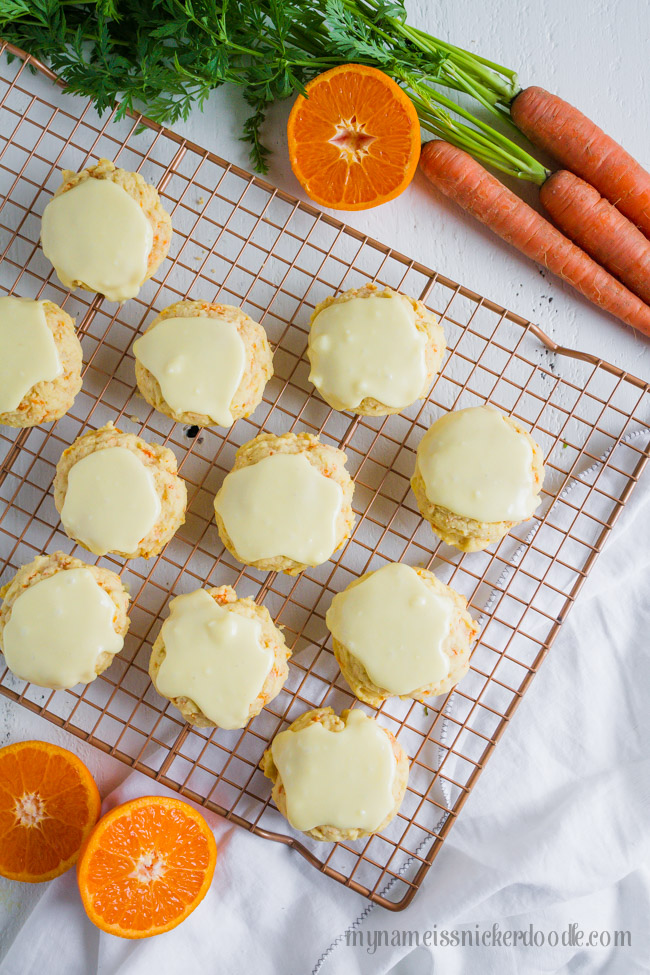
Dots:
(368, 347)
(337, 778)
(98, 234)
(198, 362)
(213, 656)
(282, 505)
(476, 465)
(396, 626)
(28, 352)
(111, 502)
(58, 628)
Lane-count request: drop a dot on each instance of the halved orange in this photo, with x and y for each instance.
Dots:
(146, 866)
(48, 805)
(354, 142)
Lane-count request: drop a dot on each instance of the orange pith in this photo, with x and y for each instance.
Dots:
(48, 804)
(354, 142)
(146, 866)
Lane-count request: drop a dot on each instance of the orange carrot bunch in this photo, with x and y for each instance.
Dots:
(600, 205)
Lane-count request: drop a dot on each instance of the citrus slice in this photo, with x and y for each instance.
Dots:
(48, 805)
(354, 142)
(145, 867)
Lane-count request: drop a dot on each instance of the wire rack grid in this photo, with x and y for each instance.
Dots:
(241, 241)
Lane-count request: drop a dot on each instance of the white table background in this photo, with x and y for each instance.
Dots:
(594, 53)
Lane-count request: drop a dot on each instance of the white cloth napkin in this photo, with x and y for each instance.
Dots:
(556, 832)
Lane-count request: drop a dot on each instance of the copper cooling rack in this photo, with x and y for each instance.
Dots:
(244, 242)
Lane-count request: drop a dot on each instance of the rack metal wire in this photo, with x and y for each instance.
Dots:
(241, 241)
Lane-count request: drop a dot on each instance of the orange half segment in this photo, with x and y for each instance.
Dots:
(146, 866)
(48, 805)
(354, 142)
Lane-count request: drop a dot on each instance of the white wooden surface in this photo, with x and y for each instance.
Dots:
(594, 53)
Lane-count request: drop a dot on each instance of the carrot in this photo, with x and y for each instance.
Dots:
(579, 145)
(599, 228)
(465, 181)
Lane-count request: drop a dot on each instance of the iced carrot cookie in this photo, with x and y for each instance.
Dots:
(203, 363)
(117, 493)
(478, 473)
(40, 362)
(286, 504)
(373, 351)
(336, 778)
(105, 230)
(62, 621)
(400, 631)
(218, 659)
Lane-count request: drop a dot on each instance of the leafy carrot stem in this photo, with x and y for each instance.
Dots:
(164, 57)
